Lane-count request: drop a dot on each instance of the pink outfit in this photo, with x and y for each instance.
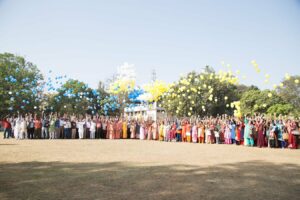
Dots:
(194, 134)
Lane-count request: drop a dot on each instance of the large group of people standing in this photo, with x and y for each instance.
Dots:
(256, 130)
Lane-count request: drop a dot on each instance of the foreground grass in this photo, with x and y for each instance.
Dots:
(127, 169)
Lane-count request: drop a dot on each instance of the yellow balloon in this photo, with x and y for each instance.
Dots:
(287, 76)
(264, 105)
(270, 94)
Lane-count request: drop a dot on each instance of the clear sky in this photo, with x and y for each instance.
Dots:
(88, 40)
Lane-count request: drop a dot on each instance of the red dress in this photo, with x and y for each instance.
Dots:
(238, 133)
(261, 136)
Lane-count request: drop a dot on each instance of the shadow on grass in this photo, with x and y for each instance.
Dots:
(56, 180)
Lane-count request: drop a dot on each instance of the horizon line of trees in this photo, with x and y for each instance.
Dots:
(23, 88)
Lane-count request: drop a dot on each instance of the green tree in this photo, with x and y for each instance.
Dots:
(259, 101)
(75, 97)
(290, 91)
(201, 94)
(280, 109)
(21, 86)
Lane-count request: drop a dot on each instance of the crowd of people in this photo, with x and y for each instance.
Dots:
(250, 131)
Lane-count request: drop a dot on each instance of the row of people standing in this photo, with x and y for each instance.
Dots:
(249, 131)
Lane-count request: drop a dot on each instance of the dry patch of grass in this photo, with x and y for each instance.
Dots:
(131, 169)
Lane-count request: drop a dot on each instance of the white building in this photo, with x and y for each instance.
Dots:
(145, 112)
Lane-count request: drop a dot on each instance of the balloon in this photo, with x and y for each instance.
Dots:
(287, 76)
(264, 105)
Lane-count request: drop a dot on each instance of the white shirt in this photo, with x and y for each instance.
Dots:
(80, 125)
(93, 126)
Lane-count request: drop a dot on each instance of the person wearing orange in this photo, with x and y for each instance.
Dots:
(37, 128)
(124, 129)
(201, 133)
(149, 131)
(188, 132)
(110, 129)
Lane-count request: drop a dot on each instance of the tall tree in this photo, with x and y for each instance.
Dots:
(21, 86)
(290, 90)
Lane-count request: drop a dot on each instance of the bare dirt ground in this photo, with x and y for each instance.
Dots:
(134, 169)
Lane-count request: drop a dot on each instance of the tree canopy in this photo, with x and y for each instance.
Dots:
(23, 89)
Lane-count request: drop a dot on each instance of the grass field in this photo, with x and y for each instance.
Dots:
(133, 169)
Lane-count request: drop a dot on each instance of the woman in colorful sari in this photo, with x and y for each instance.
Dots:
(154, 130)
(260, 130)
(149, 130)
(132, 130)
(202, 133)
(238, 133)
(251, 134)
(247, 132)
(173, 131)
(183, 125)
(227, 134)
(188, 132)
(119, 129)
(194, 133)
(142, 131)
(293, 131)
(161, 131)
(111, 130)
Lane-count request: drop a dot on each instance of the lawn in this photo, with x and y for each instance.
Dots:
(133, 169)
